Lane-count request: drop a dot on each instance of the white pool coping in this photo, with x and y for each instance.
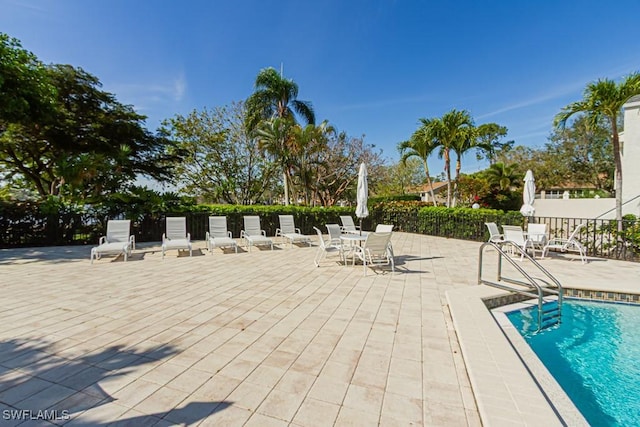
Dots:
(510, 384)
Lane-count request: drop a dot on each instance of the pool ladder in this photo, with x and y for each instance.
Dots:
(547, 292)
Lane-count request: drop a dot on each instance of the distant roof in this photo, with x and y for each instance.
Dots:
(424, 188)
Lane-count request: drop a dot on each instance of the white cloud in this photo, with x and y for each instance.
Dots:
(147, 96)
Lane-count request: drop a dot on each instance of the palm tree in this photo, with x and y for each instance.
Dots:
(465, 142)
(274, 137)
(605, 98)
(276, 97)
(421, 145)
(448, 131)
(502, 176)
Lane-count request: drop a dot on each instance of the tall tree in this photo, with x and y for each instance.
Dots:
(449, 130)
(604, 99)
(465, 141)
(422, 144)
(275, 137)
(90, 145)
(222, 162)
(276, 97)
(307, 142)
(26, 92)
(489, 141)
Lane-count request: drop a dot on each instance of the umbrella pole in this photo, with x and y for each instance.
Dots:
(361, 226)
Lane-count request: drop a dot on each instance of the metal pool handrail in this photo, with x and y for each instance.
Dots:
(531, 283)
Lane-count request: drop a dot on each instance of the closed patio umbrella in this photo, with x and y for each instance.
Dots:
(362, 194)
(528, 194)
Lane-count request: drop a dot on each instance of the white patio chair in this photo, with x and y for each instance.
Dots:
(288, 231)
(570, 244)
(117, 241)
(537, 233)
(375, 251)
(218, 235)
(176, 236)
(347, 224)
(515, 235)
(386, 228)
(494, 234)
(252, 235)
(333, 243)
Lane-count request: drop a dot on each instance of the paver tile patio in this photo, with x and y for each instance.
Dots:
(262, 338)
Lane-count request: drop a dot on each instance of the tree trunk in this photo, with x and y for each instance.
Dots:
(447, 167)
(455, 186)
(286, 187)
(433, 196)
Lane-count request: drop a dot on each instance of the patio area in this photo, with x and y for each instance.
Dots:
(262, 338)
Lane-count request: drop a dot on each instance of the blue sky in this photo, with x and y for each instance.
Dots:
(369, 67)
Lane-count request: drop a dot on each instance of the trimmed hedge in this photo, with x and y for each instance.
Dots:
(53, 223)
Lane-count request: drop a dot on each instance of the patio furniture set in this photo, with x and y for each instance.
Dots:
(372, 248)
(536, 238)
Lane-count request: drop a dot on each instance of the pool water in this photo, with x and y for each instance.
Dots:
(595, 357)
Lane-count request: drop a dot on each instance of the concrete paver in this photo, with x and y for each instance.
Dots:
(262, 338)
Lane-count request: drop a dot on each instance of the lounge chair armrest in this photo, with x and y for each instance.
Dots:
(206, 236)
(132, 242)
(103, 239)
(298, 231)
(242, 234)
(164, 237)
(230, 235)
(278, 232)
(264, 233)
(188, 237)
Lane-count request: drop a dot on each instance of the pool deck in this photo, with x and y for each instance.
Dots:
(266, 338)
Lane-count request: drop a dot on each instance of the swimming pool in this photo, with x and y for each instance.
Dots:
(594, 355)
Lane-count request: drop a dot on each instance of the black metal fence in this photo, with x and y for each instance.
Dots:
(603, 238)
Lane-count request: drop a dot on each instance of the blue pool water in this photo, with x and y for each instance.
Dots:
(595, 357)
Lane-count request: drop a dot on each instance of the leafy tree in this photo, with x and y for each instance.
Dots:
(422, 144)
(604, 100)
(337, 168)
(397, 178)
(26, 93)
(488, 141)
(276, 98)
(89, 146)
(307, 142)
(222, 162)
(473, 189)
(585, 153)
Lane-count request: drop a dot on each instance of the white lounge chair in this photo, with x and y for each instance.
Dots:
(176, 236)
(218, 235)
(117, 241)
(332, 244)
(569, 244)
(347, 224)
(252, 235)
(537, 233)
(515, 235)
(494, 234)
(375, 251)
(288, 231)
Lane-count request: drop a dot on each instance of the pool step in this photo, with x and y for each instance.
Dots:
(551, 314)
